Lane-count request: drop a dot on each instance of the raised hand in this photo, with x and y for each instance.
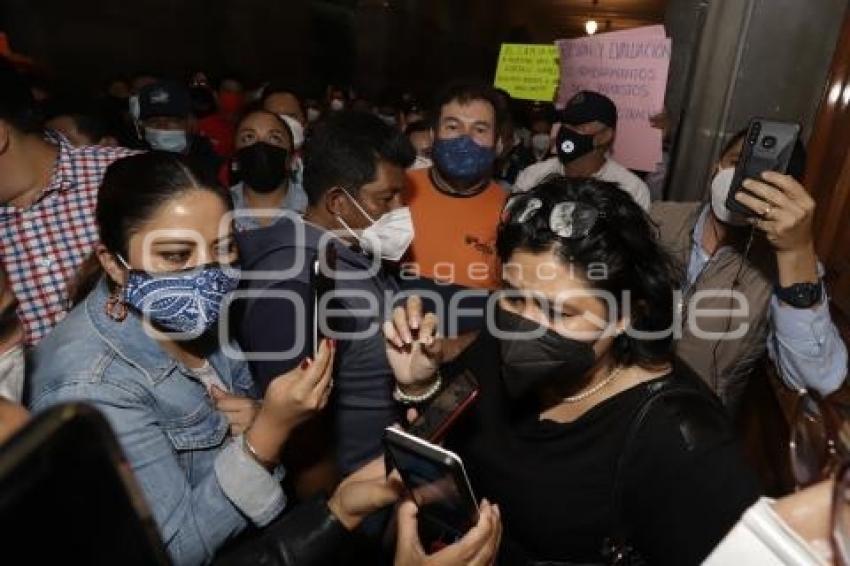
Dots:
(414, 348)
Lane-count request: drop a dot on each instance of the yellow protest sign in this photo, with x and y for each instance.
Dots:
(529, 72)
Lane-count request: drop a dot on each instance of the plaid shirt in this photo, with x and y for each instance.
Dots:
(43, 245)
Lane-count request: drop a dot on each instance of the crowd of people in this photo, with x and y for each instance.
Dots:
(166, 250)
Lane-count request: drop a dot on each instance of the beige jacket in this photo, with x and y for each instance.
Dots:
(726, 359)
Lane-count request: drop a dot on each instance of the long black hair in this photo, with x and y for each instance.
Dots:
(623, 240)
(132, 190)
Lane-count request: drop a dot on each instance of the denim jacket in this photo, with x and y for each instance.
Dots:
(202, 486)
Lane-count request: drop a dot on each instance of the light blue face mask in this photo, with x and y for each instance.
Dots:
(186, 301)
(174, 141)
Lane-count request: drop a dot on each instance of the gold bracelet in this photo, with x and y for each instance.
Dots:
(252, 452)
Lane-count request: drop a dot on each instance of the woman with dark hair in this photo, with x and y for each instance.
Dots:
(265, 165)
(592, 441)
(143, 347)
(768, 260)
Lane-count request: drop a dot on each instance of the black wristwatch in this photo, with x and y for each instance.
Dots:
(800, 295)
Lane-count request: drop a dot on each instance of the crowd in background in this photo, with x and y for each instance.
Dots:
(129, 221)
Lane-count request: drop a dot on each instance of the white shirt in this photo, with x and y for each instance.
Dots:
(611, 172)
(762, 537)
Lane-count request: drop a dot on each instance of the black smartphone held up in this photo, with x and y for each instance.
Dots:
(437, 482)
(438, 417)
(323, 285)
(768, 146)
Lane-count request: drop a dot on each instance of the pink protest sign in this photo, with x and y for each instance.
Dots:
(630, 67)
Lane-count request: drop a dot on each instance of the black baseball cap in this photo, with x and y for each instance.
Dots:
(588, 106)
(164, 98)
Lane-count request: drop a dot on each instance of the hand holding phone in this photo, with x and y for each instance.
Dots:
(478, 547)
(768, 146)
(437, 482)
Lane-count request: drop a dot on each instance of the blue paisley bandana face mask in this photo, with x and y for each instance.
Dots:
(186, 301)
(463, 159)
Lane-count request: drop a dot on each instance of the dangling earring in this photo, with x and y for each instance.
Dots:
(116, 309)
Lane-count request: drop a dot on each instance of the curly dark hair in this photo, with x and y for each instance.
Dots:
(623, 239)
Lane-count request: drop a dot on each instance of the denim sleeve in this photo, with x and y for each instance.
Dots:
(806, 347)
(194, 519)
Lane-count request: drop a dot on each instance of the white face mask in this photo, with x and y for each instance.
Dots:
(313, 114)
(174, 141)
(337, 104)
(389, 236)
(296, 128)
(12, 373)
(540, 145)
(720, 187)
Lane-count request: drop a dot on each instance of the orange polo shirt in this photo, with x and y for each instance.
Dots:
(455, 240)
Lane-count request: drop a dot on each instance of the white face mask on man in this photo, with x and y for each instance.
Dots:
(720, 187)
(389, 236)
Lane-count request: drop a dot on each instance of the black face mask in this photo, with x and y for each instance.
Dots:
(262, 166)
(572, 145)
(529, 364)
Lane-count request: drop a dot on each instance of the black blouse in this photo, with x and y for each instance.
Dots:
(683, 488)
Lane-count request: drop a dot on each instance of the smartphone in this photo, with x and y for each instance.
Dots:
(323, 285)
(437, 482)
(65, 474)
(768, 146)
(438, 417)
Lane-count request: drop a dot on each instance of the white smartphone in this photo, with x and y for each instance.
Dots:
(436, 480)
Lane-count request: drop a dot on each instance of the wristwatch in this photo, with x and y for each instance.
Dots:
(800, 295)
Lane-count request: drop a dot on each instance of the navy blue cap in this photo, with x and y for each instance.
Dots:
(164, 98)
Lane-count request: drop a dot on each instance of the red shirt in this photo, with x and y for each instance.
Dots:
(220, 132)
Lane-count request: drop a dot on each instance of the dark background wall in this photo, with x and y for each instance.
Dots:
(371, 44)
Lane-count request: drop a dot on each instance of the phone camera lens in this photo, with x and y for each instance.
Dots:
(769, 142)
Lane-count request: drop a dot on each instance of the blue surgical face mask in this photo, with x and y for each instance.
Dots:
(462, 159)
(186, 301)
(174, 141)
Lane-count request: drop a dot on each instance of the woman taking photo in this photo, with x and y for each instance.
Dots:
(588, 436)
(142, 347)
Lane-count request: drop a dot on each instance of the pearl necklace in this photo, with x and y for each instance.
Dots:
(595, 389)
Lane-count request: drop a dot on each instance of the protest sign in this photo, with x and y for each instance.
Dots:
(528, 72)
(630, 67)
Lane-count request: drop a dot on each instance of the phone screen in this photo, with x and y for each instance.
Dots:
(438, 486)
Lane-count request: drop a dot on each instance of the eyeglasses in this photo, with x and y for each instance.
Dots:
(820, 438)
(569, 219)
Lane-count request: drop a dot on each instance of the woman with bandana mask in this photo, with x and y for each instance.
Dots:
(143, 347)
(586, 433)
(263, 163)
(770, 260)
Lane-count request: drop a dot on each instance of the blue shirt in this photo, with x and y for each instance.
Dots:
(803, 343)
(201, 485)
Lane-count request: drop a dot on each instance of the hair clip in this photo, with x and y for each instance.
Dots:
(573, 219)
